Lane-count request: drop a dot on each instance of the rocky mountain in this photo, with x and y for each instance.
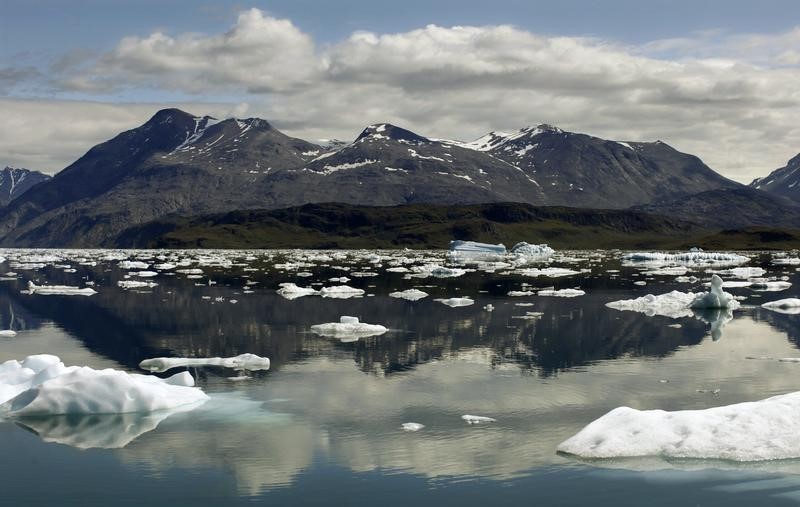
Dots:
(784, 181)
(729, 208)
(180, 164)
(581, 170)
(16, 181)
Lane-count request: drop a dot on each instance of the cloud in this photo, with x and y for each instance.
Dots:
(729, 98)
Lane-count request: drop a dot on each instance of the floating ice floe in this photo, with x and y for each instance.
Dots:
(8, 333)
(240, 362)
(409, 294)
(742, 272)
(133, 265)
(454, 302)
(291, 291)
(520, 293)
(786, 261)
(715, 298)
(763, 285)
(789, 306)
(144, 274)
(477, 419)
(562, 293)
(340, 292)
(754, 431)
(411, 426)
(59, 290)
(41, 385)
(348, 329)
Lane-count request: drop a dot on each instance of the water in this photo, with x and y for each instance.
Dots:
(323, 425)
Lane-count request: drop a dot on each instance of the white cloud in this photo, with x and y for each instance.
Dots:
(730, 99)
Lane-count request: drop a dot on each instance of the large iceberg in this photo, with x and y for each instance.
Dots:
(42, 385)
(525, 252)
(678, 304)
(753, 431)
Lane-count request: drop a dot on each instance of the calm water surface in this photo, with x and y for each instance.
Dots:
(322, 426)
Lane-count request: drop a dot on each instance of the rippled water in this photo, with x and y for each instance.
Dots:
(322, 426)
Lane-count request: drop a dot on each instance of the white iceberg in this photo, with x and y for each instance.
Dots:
(41, 385)
(411, 426)
(409, 294)
(455, 302)
(8, 333)
(472, 251)
(715, 298)
(673, 304)
(291, 291)
(477, 419)
(340, 292)
(59, 290)
(789, 306)
(133, 265)
(240, 362)
(548, 272)
(763, 285)
(525, 252)
(348, 329)
(754, 431)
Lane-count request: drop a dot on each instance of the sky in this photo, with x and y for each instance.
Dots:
(718, 80)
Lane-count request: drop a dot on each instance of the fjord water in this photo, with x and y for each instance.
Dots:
(322, 426)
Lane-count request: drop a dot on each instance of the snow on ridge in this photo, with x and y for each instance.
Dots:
(330, 169)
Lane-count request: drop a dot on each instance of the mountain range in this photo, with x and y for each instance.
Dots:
(16, 181)
(180, 165)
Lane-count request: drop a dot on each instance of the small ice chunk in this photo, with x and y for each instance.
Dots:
(348, 329)
(240, 362)
(411, 426)
(454, 302)
(291, 291)
(9, 333)
(340, 292)
(715, 298)
(789, 306)
(564, 293)
(409, 294)
(477, 419)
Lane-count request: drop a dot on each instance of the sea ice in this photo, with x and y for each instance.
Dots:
(240, 362)
(291, 291)
(411, 426)
(563, 293)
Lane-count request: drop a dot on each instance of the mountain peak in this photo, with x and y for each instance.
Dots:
(170, 115)
(387, 131)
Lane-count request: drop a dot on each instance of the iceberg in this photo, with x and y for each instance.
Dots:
(789, 306)
(473, 251)
(59, 290)
(411, 426)
(549, 272)
(525, 252)
(135, 284)
(8, 333)
(409, 294)
(348, 329)
(715, 298)
(240, 362)
(753, 431)
(41, 385)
